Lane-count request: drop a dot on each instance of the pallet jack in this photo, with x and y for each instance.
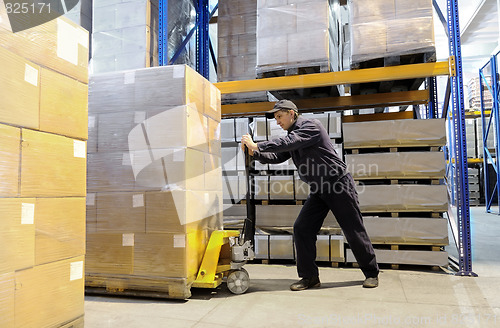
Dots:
(228, 250)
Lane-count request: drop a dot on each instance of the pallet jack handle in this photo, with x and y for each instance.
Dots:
(249, 224)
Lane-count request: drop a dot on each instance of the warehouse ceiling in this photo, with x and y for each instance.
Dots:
(479, 27)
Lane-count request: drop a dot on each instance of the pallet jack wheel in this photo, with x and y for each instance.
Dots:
(238, 281)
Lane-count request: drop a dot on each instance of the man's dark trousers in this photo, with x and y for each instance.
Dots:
(342, 199)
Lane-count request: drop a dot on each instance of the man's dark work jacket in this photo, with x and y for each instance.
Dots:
(311, 150)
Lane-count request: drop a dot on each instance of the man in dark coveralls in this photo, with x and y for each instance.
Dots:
(331, 189)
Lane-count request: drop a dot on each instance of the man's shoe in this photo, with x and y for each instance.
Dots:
(305, 283)
(370, 282)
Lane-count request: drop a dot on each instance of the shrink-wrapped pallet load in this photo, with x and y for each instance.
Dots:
(381, 28)
(154, 178)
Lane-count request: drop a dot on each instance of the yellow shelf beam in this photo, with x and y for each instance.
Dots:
(378, 74)
(334, 103)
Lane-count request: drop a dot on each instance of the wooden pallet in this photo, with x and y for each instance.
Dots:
(424, 56)
(398, 180)
(299, 69)
(423, 214)
(137, 286)
(391, 149)
(397, 254)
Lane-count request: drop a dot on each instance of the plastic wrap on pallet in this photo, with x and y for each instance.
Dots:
(395, 133)
(409, 165)
(419, 231)
(38, 287)
(293, 34)
(403, 198)
(381, 28)
(155, 179)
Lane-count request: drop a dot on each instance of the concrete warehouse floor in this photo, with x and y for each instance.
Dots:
(405, 298)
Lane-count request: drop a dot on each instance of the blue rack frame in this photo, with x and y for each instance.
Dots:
(457, 121)
(204, 49)
(456, 151)
(494, 89)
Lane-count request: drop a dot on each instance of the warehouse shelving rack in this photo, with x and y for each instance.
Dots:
(488, 118)
(456, 116)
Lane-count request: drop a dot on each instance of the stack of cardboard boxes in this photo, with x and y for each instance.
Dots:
(154, 178)
(297, 33)
(401, 194)
(237, 46)
(382, 28)
(124, 35)
(43, 128)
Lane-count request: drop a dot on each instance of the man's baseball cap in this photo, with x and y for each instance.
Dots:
(282, 105)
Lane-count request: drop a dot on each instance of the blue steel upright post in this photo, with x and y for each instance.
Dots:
(495, 114)
(202, 39)
(163, 33)
(460, 151)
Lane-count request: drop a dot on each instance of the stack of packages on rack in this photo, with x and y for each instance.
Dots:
(43, 128)
(474, 94)
(237, 50)
(298, 35)
(154, 179)
(381, 28)
(125, 34)
(399, 170)
(279, 193)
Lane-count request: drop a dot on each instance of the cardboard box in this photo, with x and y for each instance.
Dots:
(63, 105)
(403, 198)
(52, 165)
(54, 291)
(177, 255)
(20, 85)
(7, 302)
(395, 133)
(17, 233)
(60, 229)
(109, 253)
(10, 147)
(58, 44)
(397, 165)
(183, 211)
(120, 212)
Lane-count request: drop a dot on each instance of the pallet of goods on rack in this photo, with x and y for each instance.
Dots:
(399, 168)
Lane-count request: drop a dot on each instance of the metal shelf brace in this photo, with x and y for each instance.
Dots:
(487, 121)
(460, 146)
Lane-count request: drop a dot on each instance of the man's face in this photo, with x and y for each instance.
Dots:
(285, 118)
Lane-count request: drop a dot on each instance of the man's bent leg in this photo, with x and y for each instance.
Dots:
(343, 202)
(305, 230)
